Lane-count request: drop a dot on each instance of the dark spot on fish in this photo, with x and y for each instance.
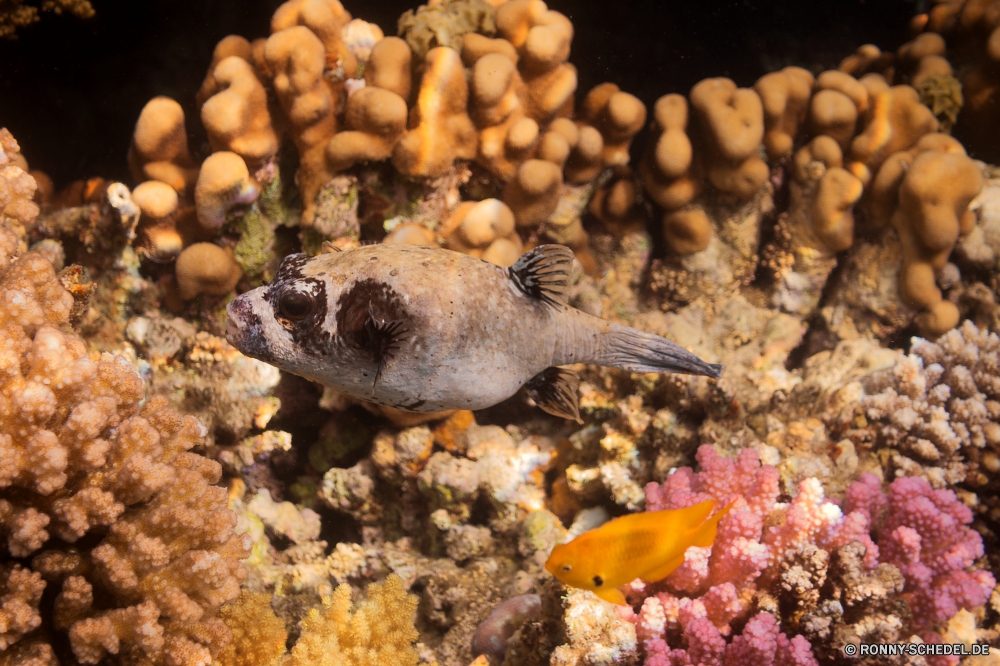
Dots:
(290, 268)
(366, 300)
(598, 581)
(372, 258)
(394, 272)
(308, 332)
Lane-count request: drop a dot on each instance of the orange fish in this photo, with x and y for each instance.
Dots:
(647, 545)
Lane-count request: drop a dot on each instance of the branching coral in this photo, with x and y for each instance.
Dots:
(379, 631)
(83, 464)
(938, 409)
(17, 187)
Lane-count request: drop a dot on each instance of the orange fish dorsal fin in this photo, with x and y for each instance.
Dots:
(693, 516)
(612, 594)
(705, 536)
(665, 570)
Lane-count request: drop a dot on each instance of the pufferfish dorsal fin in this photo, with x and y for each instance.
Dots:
(555, 390)
(543, 273)
(328, 248)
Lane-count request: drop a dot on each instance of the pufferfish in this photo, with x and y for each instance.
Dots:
(424, 329)
(648, 545)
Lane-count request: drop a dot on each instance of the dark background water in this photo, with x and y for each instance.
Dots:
(71, 90)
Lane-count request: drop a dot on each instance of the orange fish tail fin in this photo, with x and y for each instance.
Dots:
(705, 536)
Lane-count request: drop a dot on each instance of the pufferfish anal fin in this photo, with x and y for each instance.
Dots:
(383, 341)
(556, 391)
(612, 594)
(543, 273)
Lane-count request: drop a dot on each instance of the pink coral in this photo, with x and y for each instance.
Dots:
(760, 644)
(923, 532)
(926, 535)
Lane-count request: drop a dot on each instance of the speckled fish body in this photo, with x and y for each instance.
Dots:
(422, 329)
(648, 545)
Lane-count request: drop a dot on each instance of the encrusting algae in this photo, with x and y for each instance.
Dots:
(166, 499)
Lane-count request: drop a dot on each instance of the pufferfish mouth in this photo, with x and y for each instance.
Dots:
(232, 328)
(233, 323)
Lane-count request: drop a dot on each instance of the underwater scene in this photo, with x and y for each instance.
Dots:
(497, 332)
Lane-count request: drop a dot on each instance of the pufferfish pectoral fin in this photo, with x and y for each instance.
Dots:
(543, 273)
(383, 341)
(556, 390)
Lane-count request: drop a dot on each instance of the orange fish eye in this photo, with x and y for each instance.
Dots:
(598, 581)
(566, 567)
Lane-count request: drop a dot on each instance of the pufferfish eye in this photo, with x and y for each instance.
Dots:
(294, 304)
(567, 568)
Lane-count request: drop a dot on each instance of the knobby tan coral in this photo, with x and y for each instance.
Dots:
(389, 67)
(934, 198)
(326, 19)
(506, 134)
(376, 120)
(296, 58)
(159, 149)
(732, 121)
(895, 122)
(440, 128)
(484, 229)
(785, 97)
(157, 232)
(230, 45)
(542, 39)
(223, 183)
(666, 167)
(236, 117)
(618, 116)
(206, 268)
(533, 194)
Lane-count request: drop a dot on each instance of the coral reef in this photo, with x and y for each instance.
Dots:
(801, 231)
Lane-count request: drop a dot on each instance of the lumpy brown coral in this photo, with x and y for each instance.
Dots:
(102, 504)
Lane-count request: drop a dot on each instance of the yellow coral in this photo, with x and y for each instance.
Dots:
(379, 632)
(258, 635)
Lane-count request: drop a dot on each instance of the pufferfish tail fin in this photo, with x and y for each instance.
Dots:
(705, 536)
(636, 351)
